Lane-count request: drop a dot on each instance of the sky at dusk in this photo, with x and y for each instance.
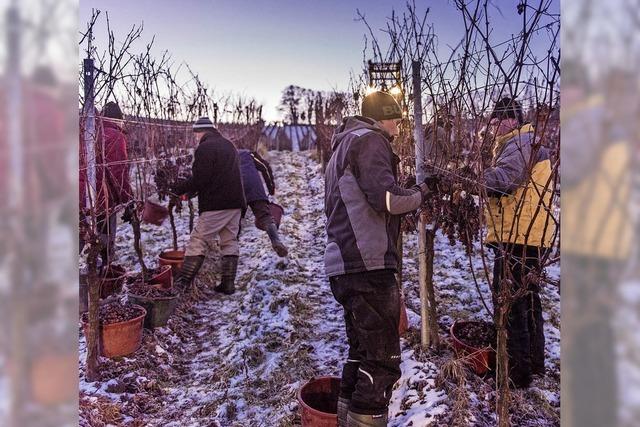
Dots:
(258, 47)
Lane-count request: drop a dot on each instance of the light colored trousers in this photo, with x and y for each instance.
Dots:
(211, 224)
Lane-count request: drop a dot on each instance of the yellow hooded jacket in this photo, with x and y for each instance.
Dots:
(597, 219)
(519, 208)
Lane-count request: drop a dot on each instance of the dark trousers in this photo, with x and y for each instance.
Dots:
(589, 359)
(107, 230)
(525, 324)
(261, 211)
(371, 303)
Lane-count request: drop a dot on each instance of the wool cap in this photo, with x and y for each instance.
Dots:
(507, 108)
(112, 110)
(380, 106)
(203, 124)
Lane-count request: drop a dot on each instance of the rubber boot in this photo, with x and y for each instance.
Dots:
(343, 408)
(278, 246)
(360, 420)
(190, 268)
(229, 269)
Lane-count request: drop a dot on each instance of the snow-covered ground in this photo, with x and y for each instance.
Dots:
(627, 324)
(239, 360)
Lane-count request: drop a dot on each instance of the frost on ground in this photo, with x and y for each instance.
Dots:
(239, 360)
(627, 324)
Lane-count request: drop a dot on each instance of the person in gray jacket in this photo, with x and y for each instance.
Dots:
(363, 204)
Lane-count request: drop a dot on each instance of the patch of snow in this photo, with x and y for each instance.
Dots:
(232, 360)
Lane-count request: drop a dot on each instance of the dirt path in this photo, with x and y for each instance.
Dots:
(253, 350)
(239, 360)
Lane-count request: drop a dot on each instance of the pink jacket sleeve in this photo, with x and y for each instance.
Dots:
(119, 172)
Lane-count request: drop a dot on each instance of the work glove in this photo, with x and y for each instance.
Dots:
(431, 184)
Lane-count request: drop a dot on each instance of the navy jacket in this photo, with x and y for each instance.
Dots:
(250, 164)
(215, 175)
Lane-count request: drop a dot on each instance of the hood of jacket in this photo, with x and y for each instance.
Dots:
(502, 139)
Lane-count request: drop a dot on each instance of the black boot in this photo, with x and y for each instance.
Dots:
(343, 409)
(360, 420)
(188, 272)
(229, 269)
(278, 246)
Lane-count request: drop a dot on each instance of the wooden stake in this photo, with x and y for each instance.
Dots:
(429, 256)
(95, 246)
(422, 268)
(420, 175)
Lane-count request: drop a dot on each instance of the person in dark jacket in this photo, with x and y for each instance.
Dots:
(521, 228)
(251, 166)
(363, 205)
(217, 182)
(113, 189)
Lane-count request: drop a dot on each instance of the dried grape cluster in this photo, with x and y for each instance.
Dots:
(169, 171)
(477, 334)
(147, 290)
(115, 312)
(137, 277)
(455, 212)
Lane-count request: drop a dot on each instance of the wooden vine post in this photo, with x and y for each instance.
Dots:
(94, 243)
(428, 316)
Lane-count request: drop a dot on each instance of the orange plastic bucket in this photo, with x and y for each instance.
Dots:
(318, 400)
(164, 278)
(122, 338)
(480, 360)
(154, 213)
(173, 258)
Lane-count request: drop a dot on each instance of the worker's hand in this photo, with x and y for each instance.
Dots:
(431, 184)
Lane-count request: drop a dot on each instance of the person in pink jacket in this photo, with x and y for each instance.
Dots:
(113, 189)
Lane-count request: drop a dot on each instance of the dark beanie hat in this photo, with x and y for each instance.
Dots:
(112, 111)
(203, 124)
(380, 106)
(508, 108)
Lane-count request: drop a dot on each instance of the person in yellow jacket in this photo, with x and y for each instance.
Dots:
(520, 229)
(598, 236)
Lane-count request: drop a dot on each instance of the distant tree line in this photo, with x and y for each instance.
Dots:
(307, 106)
